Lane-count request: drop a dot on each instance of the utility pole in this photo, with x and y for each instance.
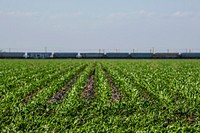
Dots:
(154, 51)
(168, 50)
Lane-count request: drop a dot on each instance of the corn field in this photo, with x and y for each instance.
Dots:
(99, 95)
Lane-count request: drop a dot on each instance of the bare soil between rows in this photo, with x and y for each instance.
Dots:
(60, 94)
(30, 96)
(89, 90)
(116, 96)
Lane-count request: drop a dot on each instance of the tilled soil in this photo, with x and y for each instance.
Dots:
(60, 94)
(88, 92)
(30, 96)
(116, 96)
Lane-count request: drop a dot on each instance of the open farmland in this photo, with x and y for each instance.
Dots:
(99, 95)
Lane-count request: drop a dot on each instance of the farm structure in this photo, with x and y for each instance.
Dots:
(12, 55)
(92, 55)
(190, 55)
(64, 55)
(166, 55)
(117, 55)
(109, 55)
(141, 55)
(38, 55)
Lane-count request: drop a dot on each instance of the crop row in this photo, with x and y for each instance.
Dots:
(100, 96)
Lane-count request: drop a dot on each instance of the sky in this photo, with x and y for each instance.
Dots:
(90, 25)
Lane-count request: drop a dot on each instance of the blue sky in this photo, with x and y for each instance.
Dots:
(89, 25)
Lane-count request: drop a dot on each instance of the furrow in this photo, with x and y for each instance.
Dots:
(116, 96)
(29, 96)
(88, 92)
(60, 94)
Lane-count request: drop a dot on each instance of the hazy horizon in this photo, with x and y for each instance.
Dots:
(90, 25)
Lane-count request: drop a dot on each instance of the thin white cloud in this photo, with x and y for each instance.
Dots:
(65, 15)
(186, 14)
(144, 13)
(140, 13)
(18, 13)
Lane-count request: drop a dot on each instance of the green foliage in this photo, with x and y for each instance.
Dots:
(156, 96)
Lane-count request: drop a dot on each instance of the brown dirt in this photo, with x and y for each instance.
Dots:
(116, 96)
(60, 94)
(30, 96)
(191, 119)
(88, 92)
(180, 117)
